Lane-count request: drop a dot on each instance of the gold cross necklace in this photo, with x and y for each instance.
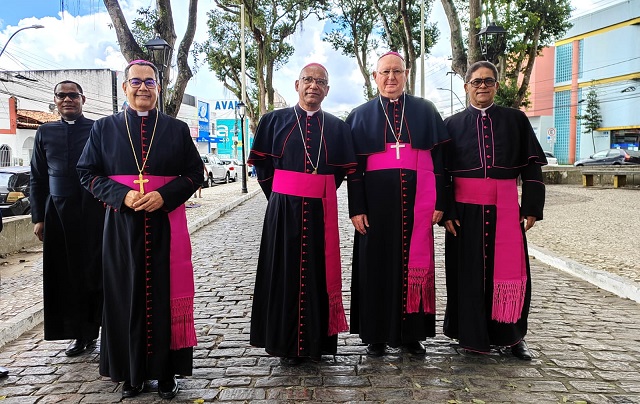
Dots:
(140, 181)
(397, 146)
(304, 142)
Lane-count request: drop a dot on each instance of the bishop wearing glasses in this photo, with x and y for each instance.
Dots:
(68, 220)
(301, 155)
(487, 265)
(144, 165)
(395, 199)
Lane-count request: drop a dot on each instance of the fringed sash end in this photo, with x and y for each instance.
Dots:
(508, 301)
(337, 317)
(421, 288)
(183, 331)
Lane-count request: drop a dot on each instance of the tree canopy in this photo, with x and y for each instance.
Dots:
(161, 21)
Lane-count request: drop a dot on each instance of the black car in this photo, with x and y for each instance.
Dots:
(610, 157)
(14, 191)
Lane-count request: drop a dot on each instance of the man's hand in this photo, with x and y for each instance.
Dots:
(38, 230)
(360, 222)
(451, 227)
(531, 220)
(437, 216)
(131, 197)
(149, 202)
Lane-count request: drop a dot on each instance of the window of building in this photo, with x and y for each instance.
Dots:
(563, 62)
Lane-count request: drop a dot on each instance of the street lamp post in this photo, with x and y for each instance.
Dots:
(36, 26)
(493, 42)
(160, 51)
(243, 110)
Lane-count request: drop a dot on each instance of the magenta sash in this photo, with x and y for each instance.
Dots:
(509, 267)
(321, 187)
(421, 282)
(182, 290)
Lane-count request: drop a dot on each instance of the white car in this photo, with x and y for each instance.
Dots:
(551, 159)
(216, 169)
(234, 168)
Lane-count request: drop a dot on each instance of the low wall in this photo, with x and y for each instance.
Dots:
(573, 175)
(17, 233)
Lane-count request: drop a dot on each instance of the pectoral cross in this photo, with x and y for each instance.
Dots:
(397, 147)
(140, 181)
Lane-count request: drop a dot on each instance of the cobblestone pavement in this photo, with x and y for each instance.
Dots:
(599, 227)
(584, 340)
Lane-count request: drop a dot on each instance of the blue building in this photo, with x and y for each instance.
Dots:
(600, 52)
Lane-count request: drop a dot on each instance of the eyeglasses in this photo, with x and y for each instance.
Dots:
(62, 96)
(149, 83)
(391, 72)
(489, 82)
(319, 82)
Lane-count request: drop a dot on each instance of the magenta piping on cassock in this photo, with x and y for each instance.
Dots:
(322, 187)
(510, 271)
(182, 290)
(421, 282)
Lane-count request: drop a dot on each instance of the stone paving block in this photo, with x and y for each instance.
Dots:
(230, 382)
(277, 381)
(294, 394)
(544, 386)
(382, 395)
(347, 381)
(246, 371)
(560, 373)
(337, 395)
(241, 394)
(593, 386)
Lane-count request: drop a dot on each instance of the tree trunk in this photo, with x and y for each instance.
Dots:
(128, 45)
(458, 51)
(173, 103)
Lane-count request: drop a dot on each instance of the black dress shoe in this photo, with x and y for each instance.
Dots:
(129, 391)
(521, 350)
(168, 389)
(291, 360)
(376, 349)
(414, 348)
(4, 372)
(78, 346)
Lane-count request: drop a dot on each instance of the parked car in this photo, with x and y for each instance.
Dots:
(611, 157)
(234, 168)
(14, 190)
(216, 168)
(551, 159)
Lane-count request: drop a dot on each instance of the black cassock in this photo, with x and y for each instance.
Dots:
(379, 280)
(502, 146)
(290, 311)
(73, 220)
(131, 347)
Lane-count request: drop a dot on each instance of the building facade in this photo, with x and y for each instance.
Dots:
(600, 53)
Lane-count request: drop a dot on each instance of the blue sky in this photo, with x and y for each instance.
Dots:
(14, 10)
(80, 38)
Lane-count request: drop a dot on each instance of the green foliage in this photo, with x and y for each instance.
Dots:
(507, 95)
(142, 27)
(591, 118)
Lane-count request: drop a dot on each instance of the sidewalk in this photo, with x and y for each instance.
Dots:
(584, 338)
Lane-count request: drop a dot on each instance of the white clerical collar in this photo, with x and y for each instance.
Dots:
(142, 113)
(309, 113)
(483, 111)
(70, 122)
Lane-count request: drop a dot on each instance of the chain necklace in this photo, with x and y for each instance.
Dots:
(397, 146)
(304, 142)
(140, 181)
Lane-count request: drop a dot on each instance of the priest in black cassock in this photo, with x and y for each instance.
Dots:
(68, 220)
(395, 199)
(144, 165)
(301, 155)
(486, 259)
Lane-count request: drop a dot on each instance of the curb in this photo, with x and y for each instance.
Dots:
(197, 224)
(618, 285)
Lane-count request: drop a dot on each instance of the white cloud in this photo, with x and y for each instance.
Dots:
(89, 42)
